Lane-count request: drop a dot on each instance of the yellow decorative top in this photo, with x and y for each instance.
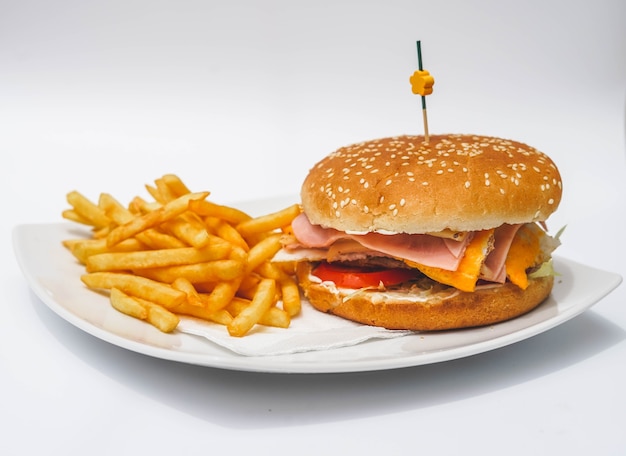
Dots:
(422, 83)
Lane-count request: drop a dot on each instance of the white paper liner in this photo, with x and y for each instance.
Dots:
(310, 331)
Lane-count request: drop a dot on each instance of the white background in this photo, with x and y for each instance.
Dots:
(241, 98)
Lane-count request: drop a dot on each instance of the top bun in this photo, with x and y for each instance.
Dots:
(455, 182)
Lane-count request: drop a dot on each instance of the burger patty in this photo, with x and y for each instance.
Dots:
(372, 262)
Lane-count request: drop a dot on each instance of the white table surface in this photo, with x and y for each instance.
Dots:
(241, 98)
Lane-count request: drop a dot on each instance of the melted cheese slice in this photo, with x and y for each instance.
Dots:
(523, 254)
(466, 275)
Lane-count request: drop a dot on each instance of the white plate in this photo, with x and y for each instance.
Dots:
(53, 275)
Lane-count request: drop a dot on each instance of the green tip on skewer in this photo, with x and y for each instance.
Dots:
(420, 67)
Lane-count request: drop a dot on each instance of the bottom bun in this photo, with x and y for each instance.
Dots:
(451, 309)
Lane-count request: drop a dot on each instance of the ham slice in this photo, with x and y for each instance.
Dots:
(419, 248)
(314, 236)
(422, 249)
(494, 269)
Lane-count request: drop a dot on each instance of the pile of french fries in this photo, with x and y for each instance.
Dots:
(181, 254)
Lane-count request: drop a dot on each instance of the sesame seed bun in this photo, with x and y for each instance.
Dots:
(408, 309)
(458, 182)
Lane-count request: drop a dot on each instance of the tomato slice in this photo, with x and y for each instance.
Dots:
(346, 276)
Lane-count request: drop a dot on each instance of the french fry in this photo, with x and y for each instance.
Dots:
(269, 270)
(143, 259)
(87, 209)
(102, 232)
(248, 286)
(165, 193)
(221, 316)
(189, 229)
(176, 185)
(193, 297)
(133, 285)
(150, 219)
(127, 305)
(160, 317)
(196, 304)
(288, 267)
(250, 315)
(113, 209)
(73, 216)
(269, 222)
(83, 249)
(290, 294)
(226, 231)
(212, 271)
(179, 254)
(263, 251)
(152, 238)
(188, 288)
(155, 239)
(221, 295)
(141, 309)
(227, 213)
(273, 317)
(139, 206)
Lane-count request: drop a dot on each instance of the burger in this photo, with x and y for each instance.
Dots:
(402, 233)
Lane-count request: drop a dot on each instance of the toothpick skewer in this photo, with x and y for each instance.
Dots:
(422, 83)
(424, 113)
